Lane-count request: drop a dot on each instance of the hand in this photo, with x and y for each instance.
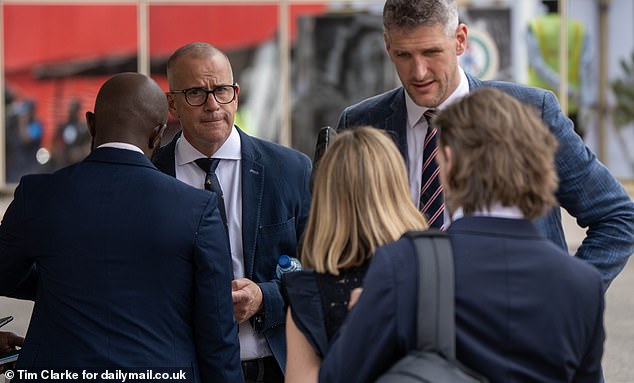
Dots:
(354, 297)
(9, 341)
(247, 299)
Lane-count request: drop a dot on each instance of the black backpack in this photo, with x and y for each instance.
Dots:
(434, 359)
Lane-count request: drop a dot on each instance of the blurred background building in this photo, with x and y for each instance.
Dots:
(298, 62)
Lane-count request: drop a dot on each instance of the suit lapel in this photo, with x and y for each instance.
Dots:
(474, 83)
(396, 123)
(252, 192)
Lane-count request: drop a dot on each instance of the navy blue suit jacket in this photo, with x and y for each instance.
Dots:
(275, 205)
(525, 310)
(133, 270)
(587, 190)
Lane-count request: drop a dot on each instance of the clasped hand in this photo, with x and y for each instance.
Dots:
(247, 299)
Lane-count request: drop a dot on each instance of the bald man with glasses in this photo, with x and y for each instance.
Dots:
(265, 191)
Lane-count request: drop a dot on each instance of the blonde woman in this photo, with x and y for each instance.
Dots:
(360, 201)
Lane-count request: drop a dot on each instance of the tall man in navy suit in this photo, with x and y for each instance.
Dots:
(424, 39)
(132, 267)
(525, 310)
(265, 193)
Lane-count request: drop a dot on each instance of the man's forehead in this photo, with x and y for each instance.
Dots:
(418, 30)
(205, 69)
(417, 38)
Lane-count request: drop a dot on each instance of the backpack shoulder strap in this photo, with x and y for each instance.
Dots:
(435, 316)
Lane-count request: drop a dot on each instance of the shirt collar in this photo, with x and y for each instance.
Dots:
(415, 112)
(497, 210)
(121, 145)
(230, 150)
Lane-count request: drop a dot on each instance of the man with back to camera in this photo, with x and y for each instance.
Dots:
(265, 193)
(132, 266)
(424, 39)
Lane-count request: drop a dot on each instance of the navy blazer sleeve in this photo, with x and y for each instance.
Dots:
(373, 336)
(591, 194)
(215, 328)
(18, 277)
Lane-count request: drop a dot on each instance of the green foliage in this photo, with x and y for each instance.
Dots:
(623, 89)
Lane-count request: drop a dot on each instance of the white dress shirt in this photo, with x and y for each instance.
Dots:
(229, 175)
(497, 210)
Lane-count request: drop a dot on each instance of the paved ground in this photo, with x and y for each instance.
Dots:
(619, 315)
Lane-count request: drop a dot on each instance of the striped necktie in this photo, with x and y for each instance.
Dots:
(209, 165)
(432, 201)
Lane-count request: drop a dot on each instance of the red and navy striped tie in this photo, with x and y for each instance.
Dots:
(432, 201)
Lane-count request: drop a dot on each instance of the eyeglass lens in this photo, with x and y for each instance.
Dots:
(198, 96)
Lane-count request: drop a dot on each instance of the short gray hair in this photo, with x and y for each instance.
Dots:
(196, 50)
(407, 14)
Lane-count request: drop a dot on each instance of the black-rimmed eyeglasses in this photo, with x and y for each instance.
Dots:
(223, 94)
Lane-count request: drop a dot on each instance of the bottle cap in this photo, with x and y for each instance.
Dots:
(284, 261)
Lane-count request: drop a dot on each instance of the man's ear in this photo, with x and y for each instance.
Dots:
(171, 104)
(157, 134)
(90, 122)
(461, 39)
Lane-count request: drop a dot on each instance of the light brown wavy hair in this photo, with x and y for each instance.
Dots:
(502, 152)
(360, 201)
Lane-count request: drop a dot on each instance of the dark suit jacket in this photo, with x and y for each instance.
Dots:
(587, 190)
(275, 204)
(525, 310)
(133, 270)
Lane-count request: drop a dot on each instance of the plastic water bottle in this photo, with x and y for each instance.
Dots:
(286, 264)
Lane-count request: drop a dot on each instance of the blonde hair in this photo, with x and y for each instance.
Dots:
(501, 152)
(360, 201)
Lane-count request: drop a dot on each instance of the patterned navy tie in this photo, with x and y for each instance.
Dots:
(432, 201)
(209, 165)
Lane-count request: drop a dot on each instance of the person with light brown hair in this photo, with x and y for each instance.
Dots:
(525, 311)
(484, 161)
(360, 202)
